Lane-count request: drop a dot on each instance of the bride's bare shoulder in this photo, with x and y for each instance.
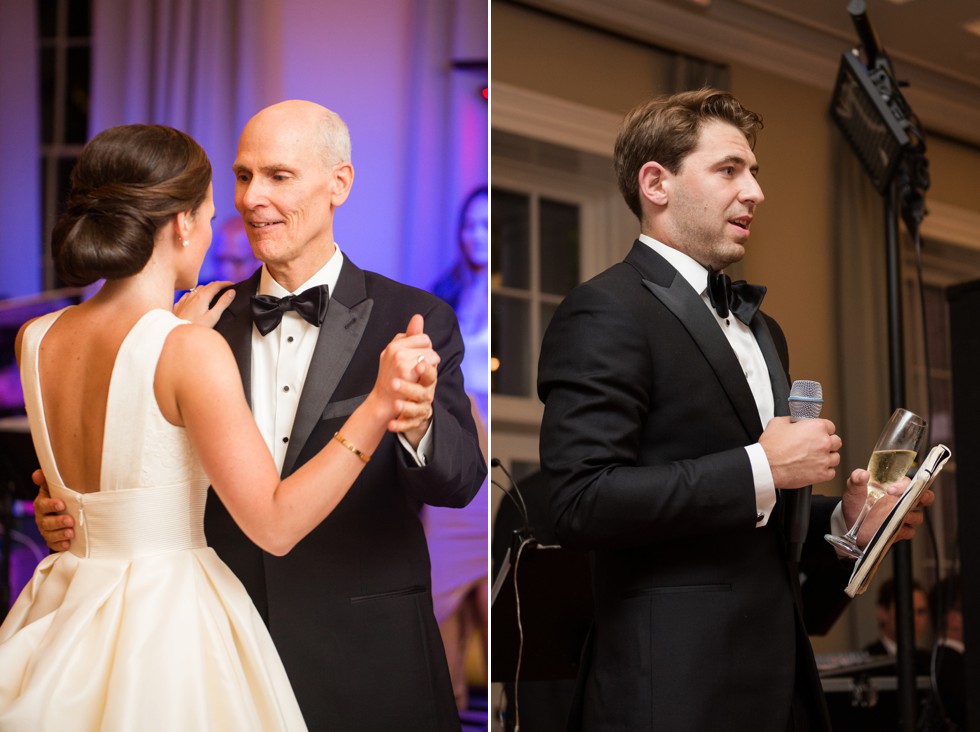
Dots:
(193, 344)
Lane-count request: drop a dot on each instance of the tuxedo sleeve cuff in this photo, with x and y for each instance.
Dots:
(765, 489)
(423, 454)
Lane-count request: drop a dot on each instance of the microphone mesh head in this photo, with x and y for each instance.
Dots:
(805, 399)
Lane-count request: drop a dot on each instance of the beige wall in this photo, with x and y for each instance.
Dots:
(538, 53)
(952, 168)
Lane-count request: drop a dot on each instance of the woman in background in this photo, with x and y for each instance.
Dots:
(458, 537)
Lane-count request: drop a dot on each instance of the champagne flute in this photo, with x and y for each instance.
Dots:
(891, 459)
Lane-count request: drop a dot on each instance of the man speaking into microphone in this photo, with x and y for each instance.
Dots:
(670, 454)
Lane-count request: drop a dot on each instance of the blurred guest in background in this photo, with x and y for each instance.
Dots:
(231, 257)
(458, 537)
(947, 711)
(467, 288)
(886, 644)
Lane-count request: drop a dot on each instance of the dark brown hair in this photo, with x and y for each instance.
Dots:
(129, 182)
(886, 593)
(666, 129)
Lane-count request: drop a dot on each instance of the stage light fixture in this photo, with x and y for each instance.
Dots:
(867, 109)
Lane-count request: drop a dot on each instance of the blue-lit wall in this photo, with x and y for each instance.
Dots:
(418, 127)
(20, 134)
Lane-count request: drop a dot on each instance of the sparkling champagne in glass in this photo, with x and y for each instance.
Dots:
(891, 459)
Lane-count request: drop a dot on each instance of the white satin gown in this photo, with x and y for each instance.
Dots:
(139, 626)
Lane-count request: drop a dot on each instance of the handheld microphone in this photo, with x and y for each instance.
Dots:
(805, 402)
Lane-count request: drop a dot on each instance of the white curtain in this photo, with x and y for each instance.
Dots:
(431, 154)
(862, 313)
(189, 64)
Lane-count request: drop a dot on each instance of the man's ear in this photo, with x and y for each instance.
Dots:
(343, 179)
(653, 180)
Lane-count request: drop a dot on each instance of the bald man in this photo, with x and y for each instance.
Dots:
(350, 608)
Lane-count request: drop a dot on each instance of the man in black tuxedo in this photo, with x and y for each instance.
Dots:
(664, 457)
(350, 607)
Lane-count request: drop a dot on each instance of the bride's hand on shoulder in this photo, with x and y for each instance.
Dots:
(195, 305)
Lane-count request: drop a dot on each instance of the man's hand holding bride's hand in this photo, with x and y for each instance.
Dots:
(415, 406)
(407, 377)
(56, 527)
(194, 305)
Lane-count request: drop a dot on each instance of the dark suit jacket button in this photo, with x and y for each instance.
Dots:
(758, 517)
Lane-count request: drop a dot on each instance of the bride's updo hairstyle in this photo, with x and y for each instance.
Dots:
(129, 181)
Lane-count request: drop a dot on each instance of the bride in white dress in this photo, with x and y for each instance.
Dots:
(134, 412)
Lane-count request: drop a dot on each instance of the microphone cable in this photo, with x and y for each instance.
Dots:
(520, 508)
(526, 539)
(496, 463)
(520, 635)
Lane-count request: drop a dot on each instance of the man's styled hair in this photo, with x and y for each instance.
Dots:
(666, 129)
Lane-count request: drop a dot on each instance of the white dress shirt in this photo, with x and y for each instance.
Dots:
(281, 359)
(753, 364)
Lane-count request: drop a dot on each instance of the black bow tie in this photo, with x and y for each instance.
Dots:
(310, 304)
(740, 297)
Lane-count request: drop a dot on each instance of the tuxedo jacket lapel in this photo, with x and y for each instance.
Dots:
(236, 326)
(340, 333)
(780, 395)
(679, 297)
(777, 371)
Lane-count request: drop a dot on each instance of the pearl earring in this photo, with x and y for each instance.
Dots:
(185, 243)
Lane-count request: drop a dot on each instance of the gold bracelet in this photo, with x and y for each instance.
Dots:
(362, 455)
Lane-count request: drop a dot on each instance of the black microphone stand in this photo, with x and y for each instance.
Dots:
(901, 551)
(905, 196)
(885, 135)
